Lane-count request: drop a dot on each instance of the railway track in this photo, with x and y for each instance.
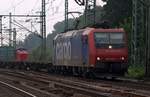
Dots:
(58, 88)
(76, 86)
(126, 88)
(123, 82)
(29, 87)
(8, 90)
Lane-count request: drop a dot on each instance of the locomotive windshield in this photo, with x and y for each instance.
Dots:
(116, 38)
(104, 40)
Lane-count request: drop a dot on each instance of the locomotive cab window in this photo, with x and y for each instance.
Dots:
(105, 39)
(102, 38)
(116, 38)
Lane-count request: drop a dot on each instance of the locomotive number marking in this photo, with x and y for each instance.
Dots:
(63, 50)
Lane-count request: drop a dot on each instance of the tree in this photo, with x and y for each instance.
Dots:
(32, 41)
(36, 54)
(98, 18)
(115, 11)
(59, 27)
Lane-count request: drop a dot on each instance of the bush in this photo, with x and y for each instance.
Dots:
(36, 55)
(137, 72)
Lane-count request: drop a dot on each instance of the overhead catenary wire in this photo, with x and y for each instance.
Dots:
(35, 4)
(19, 25)
(50, 17)
(14, 6)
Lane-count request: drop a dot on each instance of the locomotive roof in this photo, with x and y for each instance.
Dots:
(69, 34)
(85, 31)
(111, 30)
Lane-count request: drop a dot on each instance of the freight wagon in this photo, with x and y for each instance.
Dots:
(7, 53)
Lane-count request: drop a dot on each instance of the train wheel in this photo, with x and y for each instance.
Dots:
(27, 68)
(50, 69)
(89, 73)
(70, 71)
(75, 71)
(85, 72)
(80, 72)
(61, 70)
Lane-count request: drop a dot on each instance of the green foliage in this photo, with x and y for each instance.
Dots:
(50, 38)
(37, 52)
(81, 22)
(32, 41)
(98, 18)
(59, 27)
(127, 25)
(115, 11)
(137, 72)
(48, 54)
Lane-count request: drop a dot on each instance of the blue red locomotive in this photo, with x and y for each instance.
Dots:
(91, 49)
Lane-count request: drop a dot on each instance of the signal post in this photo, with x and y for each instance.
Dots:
(148, 40)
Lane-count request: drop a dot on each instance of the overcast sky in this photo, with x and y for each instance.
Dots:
(54, 10)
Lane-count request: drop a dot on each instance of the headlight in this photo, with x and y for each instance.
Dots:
(110, 47)
(98, 58)
(122, 58)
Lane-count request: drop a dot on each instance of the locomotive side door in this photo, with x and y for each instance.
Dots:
(85, 49)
